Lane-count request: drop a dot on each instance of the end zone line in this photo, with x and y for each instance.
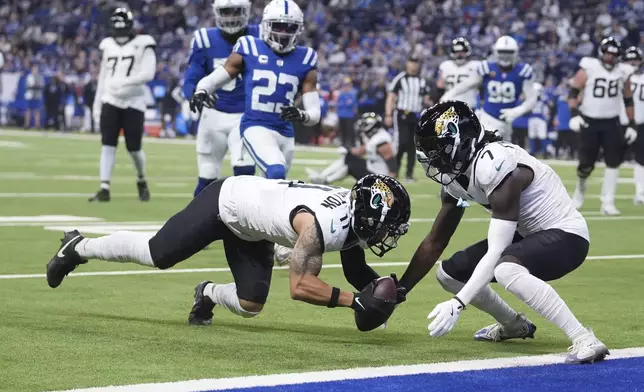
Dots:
(226, 269)
(354, 374)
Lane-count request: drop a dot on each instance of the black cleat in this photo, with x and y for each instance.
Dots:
(65, 260)
(144, 191)
(103, 195)
(201, 313)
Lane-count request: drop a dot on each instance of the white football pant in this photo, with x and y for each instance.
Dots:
(537, 128)
(218, 132)
(494, 124)
(272, 152)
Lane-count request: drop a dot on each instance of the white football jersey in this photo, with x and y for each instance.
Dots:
(453, 74)
(545, 204)
(623, 117)
(375, 162)
(637, 85)
(256, 209)
(603, 93)
(121, 62)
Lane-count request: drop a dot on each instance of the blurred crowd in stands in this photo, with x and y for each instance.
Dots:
(361, 44)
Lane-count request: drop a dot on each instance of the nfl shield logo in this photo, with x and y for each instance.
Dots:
(280, 62)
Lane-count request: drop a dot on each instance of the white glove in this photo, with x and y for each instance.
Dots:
(630, 135)
(577, 123)
(445, 316)
(511, 114)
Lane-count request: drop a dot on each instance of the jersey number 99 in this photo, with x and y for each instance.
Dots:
(268, 90)
(501, 92)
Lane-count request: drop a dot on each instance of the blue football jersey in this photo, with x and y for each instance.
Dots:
(541, 109)
(209, 50)
(501, 90)
(271, 81)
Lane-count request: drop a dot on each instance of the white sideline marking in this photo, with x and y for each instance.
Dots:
(47, 218)
(11, 144)
(353, 374)
(226, 269)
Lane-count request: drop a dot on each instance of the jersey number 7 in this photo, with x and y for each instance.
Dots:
(270, 89)
(115, 60)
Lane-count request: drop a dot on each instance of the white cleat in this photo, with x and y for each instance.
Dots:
(587, 349)
(578, 199)
(314, 177)
(610, 210)
(282, 254)
(519, 328)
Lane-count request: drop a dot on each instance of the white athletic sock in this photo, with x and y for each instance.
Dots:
(108, 153)
(226, 296)
(609, 187)
(139, 163)
(486, 300)
(122, 247)
(638, 176)
(581, 185)
(540, 296)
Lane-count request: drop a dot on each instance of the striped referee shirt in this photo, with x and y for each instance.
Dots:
(410, 91)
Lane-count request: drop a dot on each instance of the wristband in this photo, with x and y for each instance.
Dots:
(335, 295)
(574, 112)
(460, 302)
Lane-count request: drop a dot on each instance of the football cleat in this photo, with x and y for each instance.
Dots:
(282, 254)
(314, 177)
(201, 313)
(103, 195)
(144, 191)
(65, 260)
(610, 210)
(587, 349)
(520, 328)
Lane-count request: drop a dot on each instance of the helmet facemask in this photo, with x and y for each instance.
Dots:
(506, 57)
(282, 35)
(231, 19)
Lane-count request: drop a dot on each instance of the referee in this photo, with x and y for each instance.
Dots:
(407, 94)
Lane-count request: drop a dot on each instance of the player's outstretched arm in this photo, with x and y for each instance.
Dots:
(306, 263)
(387, 153)
(460, 88)
(435, 243)
(577, 84)
(222, 75)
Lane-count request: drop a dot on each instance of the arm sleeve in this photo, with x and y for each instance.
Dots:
(355, 268)
(196, 68)
(312, 106)
(99, 86)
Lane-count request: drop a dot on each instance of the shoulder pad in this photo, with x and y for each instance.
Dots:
(525, 71)
(246, 46)
(105, 42)
(587, 63)
(334, 225)
(380, 137)
(626, 69)
(310, 56)
(444, 66)
(146, 40)
(494, 163)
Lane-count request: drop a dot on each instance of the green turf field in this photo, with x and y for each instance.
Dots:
(106, 330)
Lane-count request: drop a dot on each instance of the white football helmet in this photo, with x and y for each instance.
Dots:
(231, 16)
(506, 50)
(282, 25)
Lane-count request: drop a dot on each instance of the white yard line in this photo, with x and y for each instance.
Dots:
(214, 384)
(225, 269)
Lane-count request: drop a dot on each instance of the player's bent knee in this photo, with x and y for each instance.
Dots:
(584, 171)
(458, 267)
(277, 172)
(508, 272)
(249, 308)
(244, 170)
(447, 282)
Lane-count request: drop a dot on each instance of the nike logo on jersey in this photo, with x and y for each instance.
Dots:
(498, 167)
(62, 250)
(332, 229)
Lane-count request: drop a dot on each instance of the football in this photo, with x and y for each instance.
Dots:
(383, 288)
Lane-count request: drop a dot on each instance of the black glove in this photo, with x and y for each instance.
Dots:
(364, 301)
(293, 114)
(201, 99)
(401, 291)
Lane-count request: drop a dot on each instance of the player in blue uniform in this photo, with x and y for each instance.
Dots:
(274, 71)
(503, 81)
(219, 126)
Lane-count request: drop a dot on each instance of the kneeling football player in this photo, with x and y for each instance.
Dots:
(375, 155)
(535, 234)
(250, 214)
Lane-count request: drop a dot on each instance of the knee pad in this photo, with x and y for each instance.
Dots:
(206, 167)
(202, 183)
(507, 273)
(244, 170)
(584, 171)
(276, 172)
(449, 284)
